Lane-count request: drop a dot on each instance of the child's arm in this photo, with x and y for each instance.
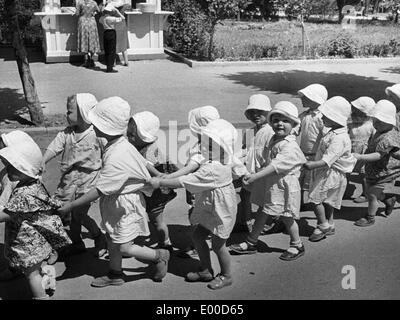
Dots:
(250, 178)
(153, 171)
(368, 157)
(189, 168)
(311, 165)
(169, 183)
(119, 13)
(89, 197)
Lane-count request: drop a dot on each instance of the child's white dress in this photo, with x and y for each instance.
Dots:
(311, 130)
(121, 181)
(215, 207)
(328, 184)
(360, 133)
(281, 196)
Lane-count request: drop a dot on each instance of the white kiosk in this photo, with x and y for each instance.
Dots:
(145, 31)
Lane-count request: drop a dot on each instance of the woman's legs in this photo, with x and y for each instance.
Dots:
(125, 56)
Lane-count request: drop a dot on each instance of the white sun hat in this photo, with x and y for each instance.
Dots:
(85, 102)
(258, 102)
(364, 104)
(337, 109)
(222, 133)
(109, 7)
(287, 109)
(315, 92)
(26, 157)
(15, 138)
(385, 111)
(202, 116)
(393, 91)
(147, 125)
(111, 116)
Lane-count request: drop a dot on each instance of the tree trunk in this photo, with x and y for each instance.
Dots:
(211, 42)
(28, 84)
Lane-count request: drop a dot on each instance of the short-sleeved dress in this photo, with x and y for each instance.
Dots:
(80, 162)
(360, 133)
(254, 143)
(311, 131)
(215, 207)
(281, 195)
(385, 171)
(153, 154)
(88, 35)
(34, 229)
(121, 182)
(328, 184)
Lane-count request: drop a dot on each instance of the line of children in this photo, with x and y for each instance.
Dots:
(119, 186)
(278, 170)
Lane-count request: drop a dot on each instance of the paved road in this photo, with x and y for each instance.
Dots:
(170, 89)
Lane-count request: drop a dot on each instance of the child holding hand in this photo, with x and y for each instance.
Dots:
(310, 129)
(80, 166)
(215, 208)
(360, 130)
(142, 130)
(382, 161)
(332, 162)
(280, 173)
(32, 229)
(119, 186)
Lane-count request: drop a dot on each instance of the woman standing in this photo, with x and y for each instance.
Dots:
(88, 36)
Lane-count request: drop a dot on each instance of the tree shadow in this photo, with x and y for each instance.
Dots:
(347, 85)
(350, 213)
(12, 105)
(391, 70)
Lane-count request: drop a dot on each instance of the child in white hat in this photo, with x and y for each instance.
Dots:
(254, 142)
(198, 118)
(119, 186)
(382, 161)
(332, 163)
(393, 94)
(360, 130)
(310, 129)
(33, 230)
(280, 172)
(215, 208)
(80, 165)
(142, 133)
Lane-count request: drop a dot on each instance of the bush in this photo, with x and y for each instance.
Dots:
(343, 46)
(186, 33)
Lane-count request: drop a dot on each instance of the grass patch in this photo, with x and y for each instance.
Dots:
(283, 40)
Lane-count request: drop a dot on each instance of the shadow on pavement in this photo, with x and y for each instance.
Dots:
(35, 54)
(391, 70)
(12, 103)
(16, 289)
(349, 86)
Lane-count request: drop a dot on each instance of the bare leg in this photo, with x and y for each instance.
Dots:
(224, 258)
(35, 281)
(199, 237)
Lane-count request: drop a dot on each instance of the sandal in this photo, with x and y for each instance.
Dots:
(199, 276)
(319, 234)
(219, 282)
(292, 253)
(365, 222)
